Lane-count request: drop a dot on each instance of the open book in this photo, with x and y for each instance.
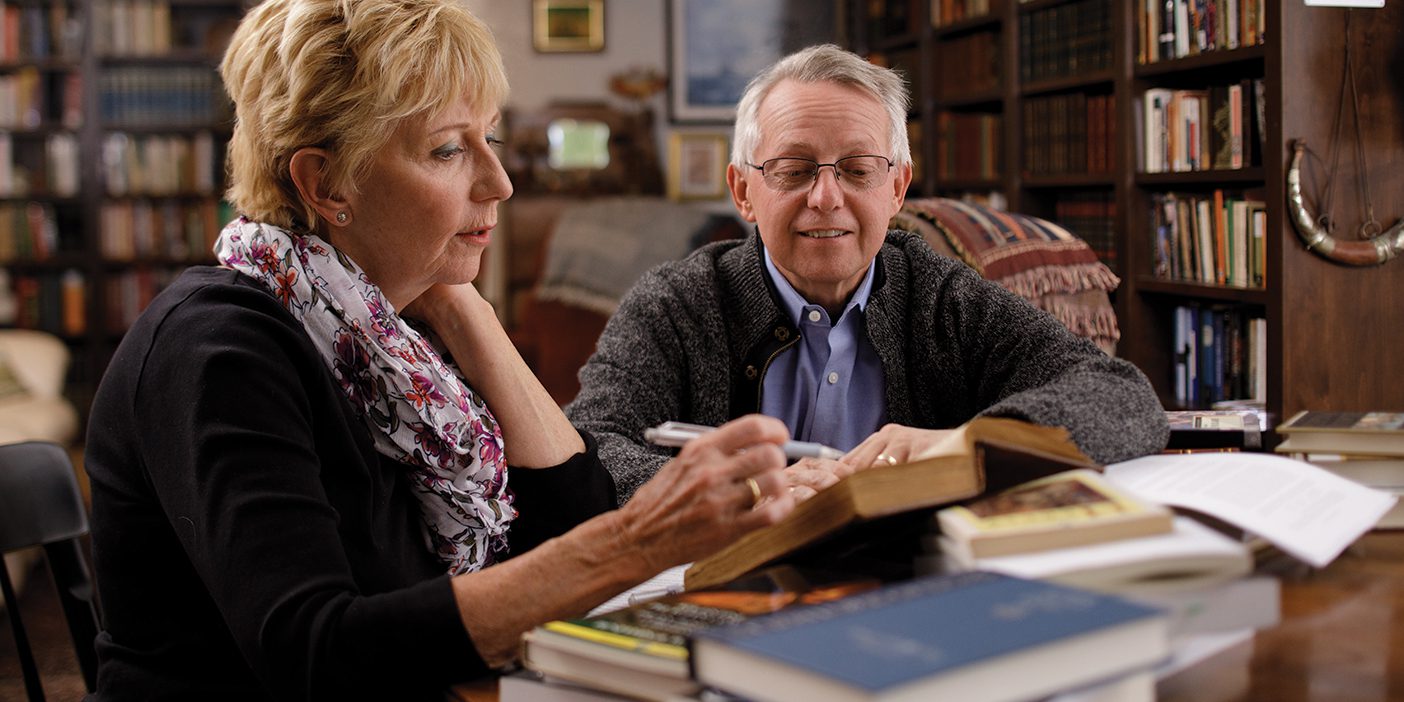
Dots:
(986, 453)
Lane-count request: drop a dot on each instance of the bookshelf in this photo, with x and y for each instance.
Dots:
(111, 161)
(1065, 127)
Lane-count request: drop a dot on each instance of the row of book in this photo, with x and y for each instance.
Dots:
(1074, 582)
(944, 12)
(33, 31)
(890, 18)
(1063, 40)
(162, 164)
(1069, 133)
(1217, 239)
(1219, 127)
(161, 95)
(30, 99)
(968, 145)
(1091, 215)
(35, 168)
(1220, 354)
(52, 302)
(1171, 29)
(177, 230)
(132, 27)
(127, 293)
(1364, 447)
(32, 231)
(968, 64)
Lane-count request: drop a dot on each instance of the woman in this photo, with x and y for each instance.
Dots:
(300, 493)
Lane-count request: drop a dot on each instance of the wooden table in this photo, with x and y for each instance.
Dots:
(1341, 639)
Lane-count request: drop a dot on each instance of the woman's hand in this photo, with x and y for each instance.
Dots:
(893, 444)
(445, 307)
(722, 485)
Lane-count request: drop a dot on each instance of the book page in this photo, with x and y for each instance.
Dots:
(1303, 510)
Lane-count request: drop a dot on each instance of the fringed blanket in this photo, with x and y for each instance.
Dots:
(1033, 258)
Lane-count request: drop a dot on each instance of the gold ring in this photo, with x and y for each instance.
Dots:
(755, 491)
(884, 458)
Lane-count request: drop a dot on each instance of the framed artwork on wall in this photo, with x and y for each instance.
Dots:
(567, 25)
(697, 165)
(715, 47)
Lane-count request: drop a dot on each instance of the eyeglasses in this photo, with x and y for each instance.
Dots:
(862, 172)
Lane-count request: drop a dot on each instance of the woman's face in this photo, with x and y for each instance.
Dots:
(427, 207)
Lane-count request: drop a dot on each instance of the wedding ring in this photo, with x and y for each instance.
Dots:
(884, 458)
(755, 491)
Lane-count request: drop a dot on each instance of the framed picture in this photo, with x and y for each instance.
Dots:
(567, 25)
(697, 166)
(715, 47)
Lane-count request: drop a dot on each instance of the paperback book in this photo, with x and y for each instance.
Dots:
(1362, 433)
(1072, 508)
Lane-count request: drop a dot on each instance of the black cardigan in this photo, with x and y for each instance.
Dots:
(249, 541)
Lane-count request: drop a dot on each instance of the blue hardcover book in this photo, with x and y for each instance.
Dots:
(970, 636)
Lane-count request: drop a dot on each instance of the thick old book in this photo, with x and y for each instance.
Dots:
(984, 454)
(1072, 508)
(969, 636)
(641, 651)
(1365, 433)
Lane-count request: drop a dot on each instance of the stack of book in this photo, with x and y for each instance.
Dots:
(1049, 577)
(785, 635)
(1364, 447)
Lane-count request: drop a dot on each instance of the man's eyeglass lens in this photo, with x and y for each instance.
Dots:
(857, 172)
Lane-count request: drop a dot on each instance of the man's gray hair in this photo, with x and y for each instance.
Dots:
(825, 62)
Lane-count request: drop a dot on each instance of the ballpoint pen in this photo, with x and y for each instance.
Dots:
(679, 433)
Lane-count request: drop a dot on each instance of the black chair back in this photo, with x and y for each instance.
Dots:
(40, 505)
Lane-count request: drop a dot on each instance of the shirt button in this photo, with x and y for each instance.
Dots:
(833, 377)
(814, 315)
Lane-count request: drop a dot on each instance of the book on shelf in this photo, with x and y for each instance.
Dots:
(1367, 433)
(1192, 430)
(986, 453)
(642, 650)
(1072, 508)
(967, 636)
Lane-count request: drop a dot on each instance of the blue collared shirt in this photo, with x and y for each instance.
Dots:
(828, 387)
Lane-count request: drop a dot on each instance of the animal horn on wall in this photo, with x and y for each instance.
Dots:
(1366, 252)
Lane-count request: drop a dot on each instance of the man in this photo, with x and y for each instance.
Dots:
(828, 321)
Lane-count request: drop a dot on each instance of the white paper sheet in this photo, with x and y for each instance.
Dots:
(1307, 512)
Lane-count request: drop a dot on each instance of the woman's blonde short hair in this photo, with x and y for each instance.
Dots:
(342, 75)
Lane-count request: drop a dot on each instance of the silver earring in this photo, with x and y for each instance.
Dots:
(341, 218)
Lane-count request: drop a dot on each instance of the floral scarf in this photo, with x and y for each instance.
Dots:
(416, 403)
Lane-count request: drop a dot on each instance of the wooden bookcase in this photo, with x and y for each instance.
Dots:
(1333, 333)
(132, 194)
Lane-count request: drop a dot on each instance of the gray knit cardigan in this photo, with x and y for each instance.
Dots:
(691, 342)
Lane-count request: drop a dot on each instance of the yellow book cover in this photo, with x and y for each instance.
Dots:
(1073, 508)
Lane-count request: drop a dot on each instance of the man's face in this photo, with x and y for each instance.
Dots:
(821, 238)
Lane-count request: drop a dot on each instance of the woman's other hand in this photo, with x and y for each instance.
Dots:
(892, 445)
(721, 486)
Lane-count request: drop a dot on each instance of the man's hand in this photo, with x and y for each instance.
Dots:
(810, 475)
(893, 444)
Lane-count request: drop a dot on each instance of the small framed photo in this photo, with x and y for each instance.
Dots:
(697, 165)
(568, 25)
